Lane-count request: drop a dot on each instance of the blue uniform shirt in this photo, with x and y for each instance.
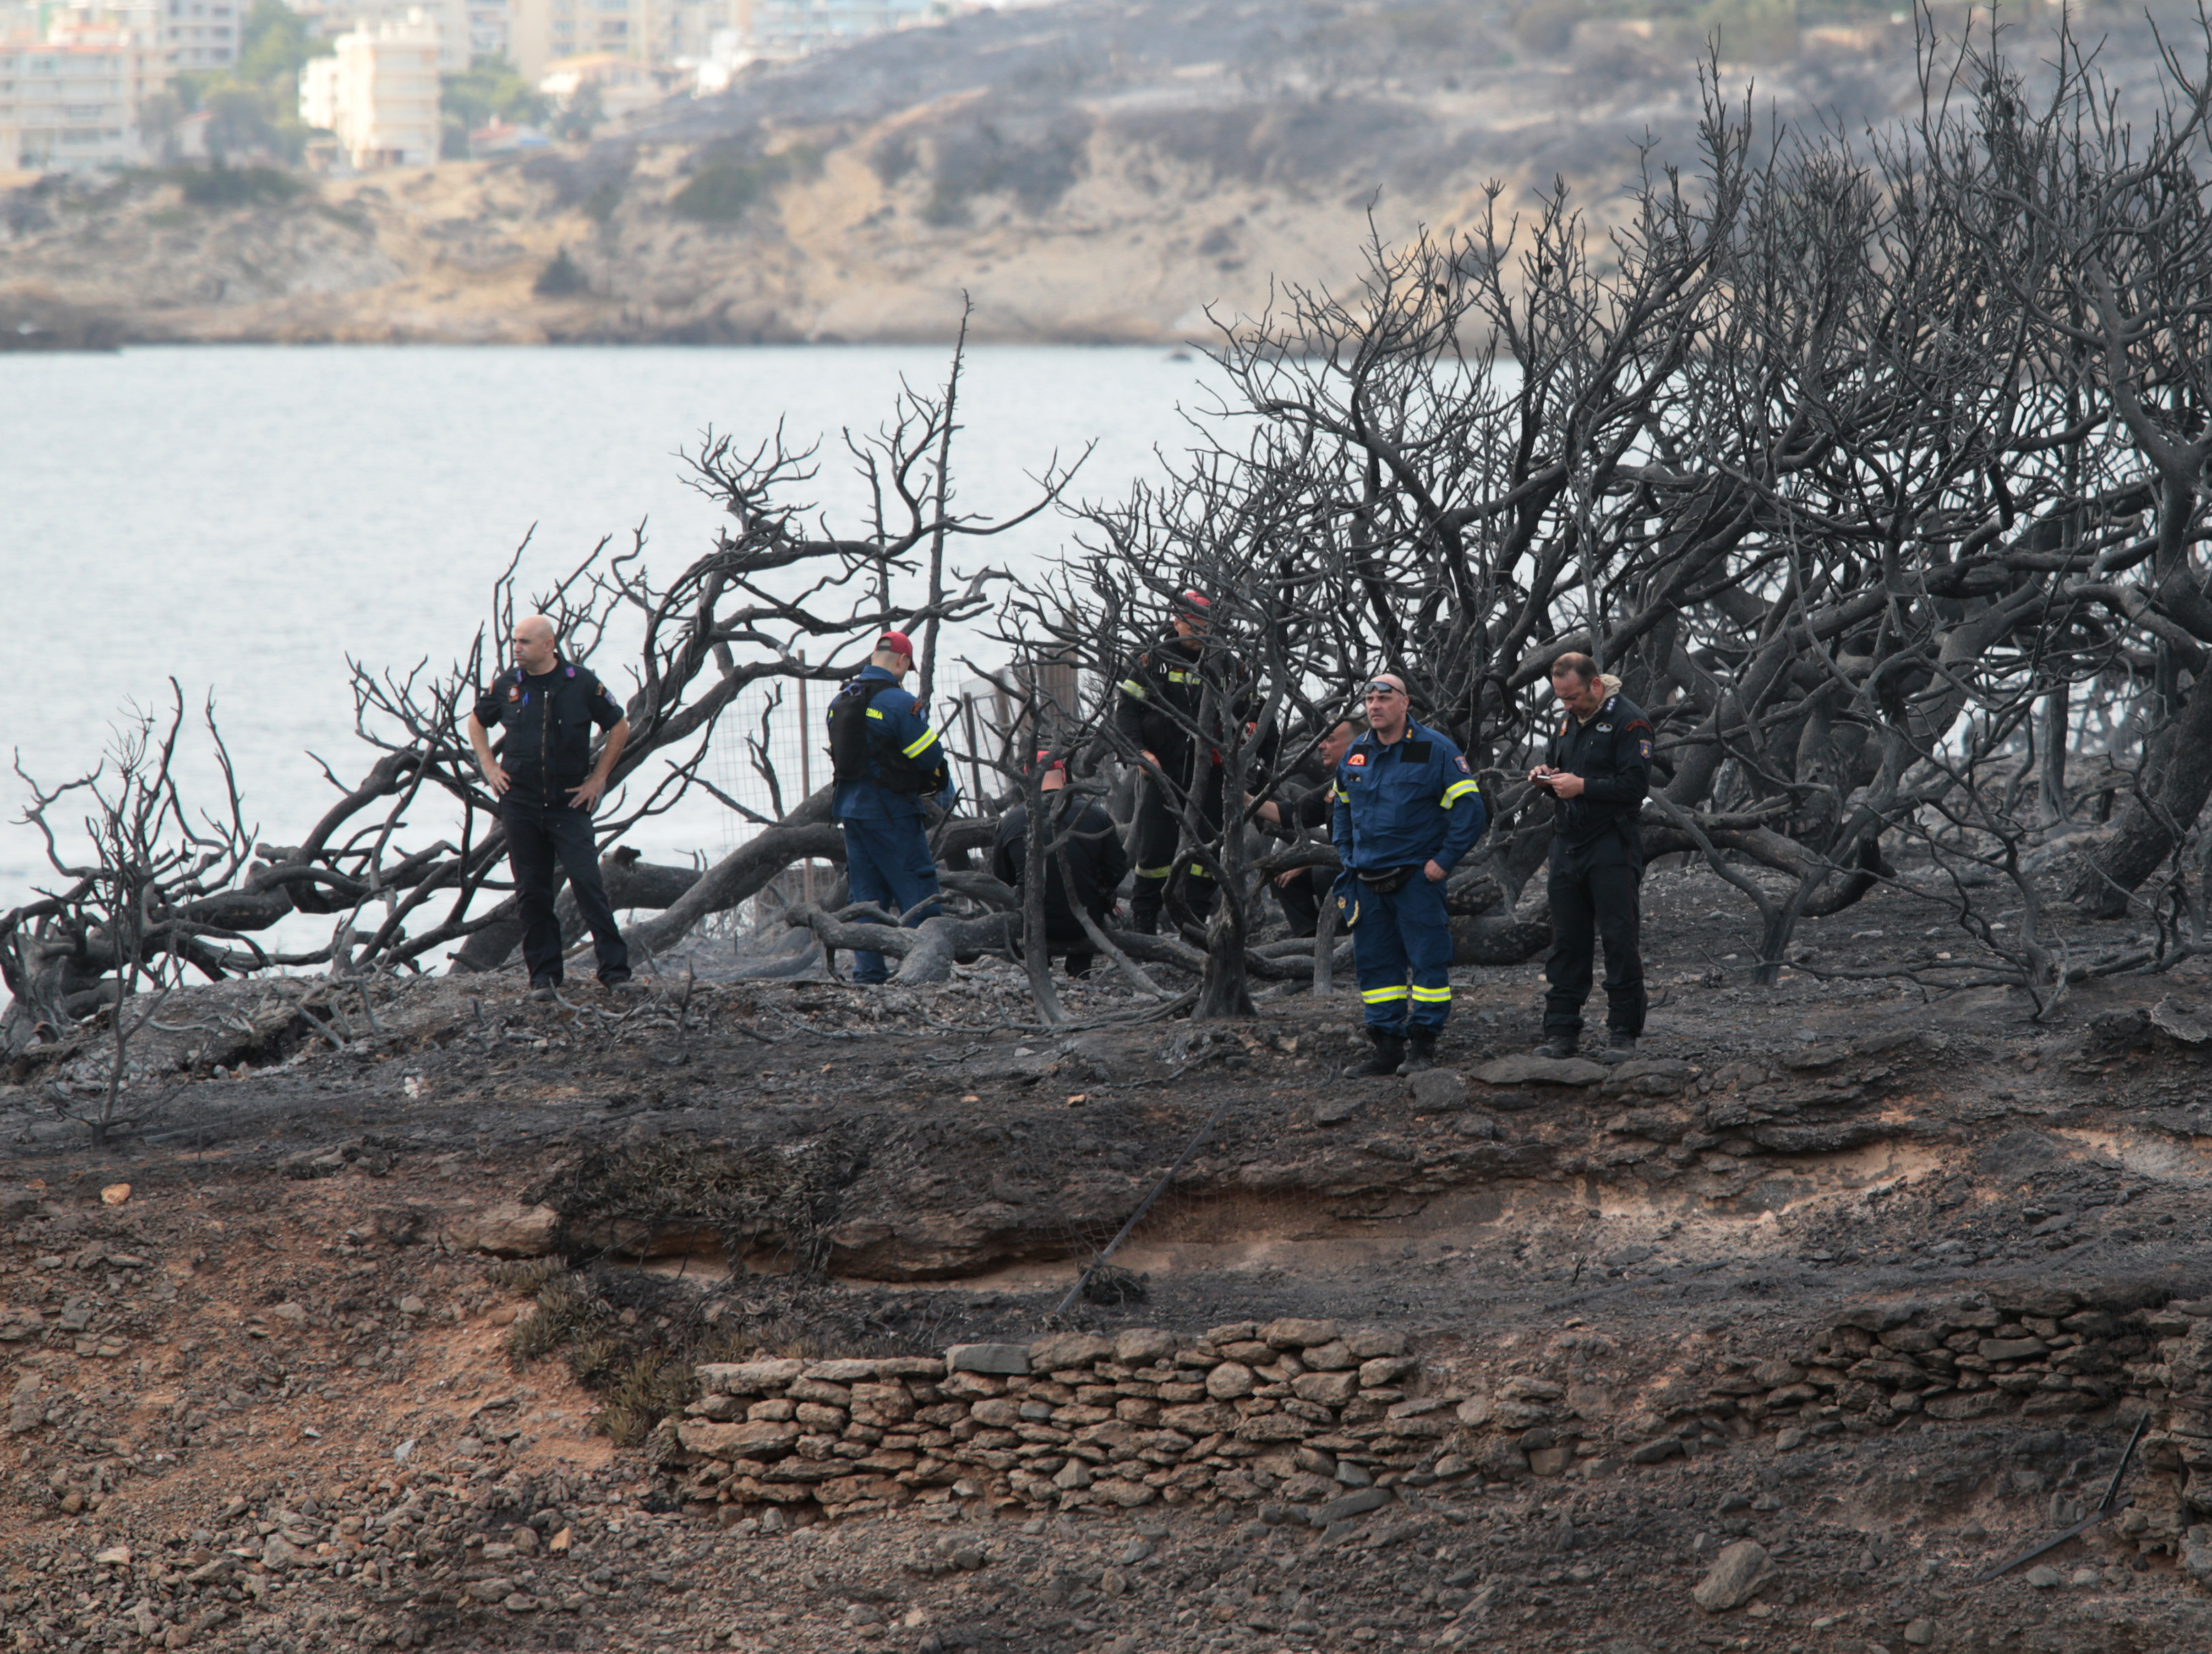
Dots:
(894, 719)
(1406, 804)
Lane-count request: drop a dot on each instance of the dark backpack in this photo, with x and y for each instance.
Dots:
(857, 755)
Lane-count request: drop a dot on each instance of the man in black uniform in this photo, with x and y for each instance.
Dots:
(1094, 851)
(1157, 713)
(546, 785)
(1302, 890)
(1597, 771)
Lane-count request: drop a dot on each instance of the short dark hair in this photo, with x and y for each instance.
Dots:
(1580, 665)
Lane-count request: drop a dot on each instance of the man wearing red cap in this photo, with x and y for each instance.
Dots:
(887, 760)
(1157, 713)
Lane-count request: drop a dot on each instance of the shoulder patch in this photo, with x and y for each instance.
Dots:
(1356, 760)
(1463, 770)
(1644, 749)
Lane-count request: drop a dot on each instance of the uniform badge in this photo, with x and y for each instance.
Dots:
(1644, 747)
(1463, 770)
(1356, 760)
(1605, 729)
(514, 693)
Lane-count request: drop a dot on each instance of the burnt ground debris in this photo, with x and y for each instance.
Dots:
(904, 1169)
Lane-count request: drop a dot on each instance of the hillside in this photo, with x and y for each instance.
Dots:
(1099, 171)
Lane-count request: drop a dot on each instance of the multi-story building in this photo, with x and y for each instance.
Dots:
(197, 35)
(542, 33)
(70, 102)
(488, 29)
(328, 19)
(377, 92)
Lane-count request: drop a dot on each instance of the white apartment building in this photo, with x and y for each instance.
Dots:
(69, 103)
(201, 35)
(328, 19)
(378, 93)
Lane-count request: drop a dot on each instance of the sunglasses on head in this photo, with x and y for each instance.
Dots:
(1379, 688)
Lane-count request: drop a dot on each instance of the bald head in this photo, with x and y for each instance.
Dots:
(1388, 709)
(536, 645)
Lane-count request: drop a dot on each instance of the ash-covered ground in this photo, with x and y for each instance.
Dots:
(282, 1395)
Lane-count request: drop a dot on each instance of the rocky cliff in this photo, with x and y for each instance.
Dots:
(1102, 170)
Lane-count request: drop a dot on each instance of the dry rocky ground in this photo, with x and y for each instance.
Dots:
(1852, 1290)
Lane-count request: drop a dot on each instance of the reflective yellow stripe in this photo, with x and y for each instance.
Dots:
(1154, 873)
(1379, 995)
(1182, 677)
(1433, 995)
(1343, 797)
(1458, 789)
(872, 712)
(1131, 688)
(1199, 868)
(914, 749)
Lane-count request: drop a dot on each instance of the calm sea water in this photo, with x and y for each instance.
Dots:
(245, 519)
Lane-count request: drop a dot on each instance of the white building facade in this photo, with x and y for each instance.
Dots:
(377, 92)
(69, 103)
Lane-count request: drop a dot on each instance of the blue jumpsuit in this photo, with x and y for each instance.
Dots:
(1402, 806)
(887, 859)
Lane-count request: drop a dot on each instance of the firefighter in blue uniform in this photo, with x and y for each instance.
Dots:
(887, 760)
(1407, 810)
(1598, 770)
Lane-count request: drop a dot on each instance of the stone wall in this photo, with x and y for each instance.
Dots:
(1322, 1419)
(1322, 1422)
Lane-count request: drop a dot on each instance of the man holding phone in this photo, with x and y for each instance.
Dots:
(1597, 771)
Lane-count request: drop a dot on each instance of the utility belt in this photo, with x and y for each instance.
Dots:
(1386, 882)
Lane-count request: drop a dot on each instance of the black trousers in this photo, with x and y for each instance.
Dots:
(542, 843)
(1594, 890)
(1302, 897)
(1159, 827)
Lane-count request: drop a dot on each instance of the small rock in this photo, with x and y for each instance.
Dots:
(115, 1195)
(1335, 1109)
(117, 1555)
(1484, 1127)
(2084, 1577)
(1230, 1380)
(969, 1558)
(1540, 1071)
(1667, 1447)
(1549, 1461)
(295, 1313)
(1439, 1090)
(1353, 1503)
(279, 1554)
(1790, 1440)
(1920, 1633)
(507, 1230)
(2044, 1578)
(1735, 1573)
(412, 1305)
(1475, 1411)
(1136, 1551)
(1003, 1359)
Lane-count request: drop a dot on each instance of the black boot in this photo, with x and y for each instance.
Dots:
(1558, 1046)
(1421, 1051)
(1389, 1052)
(1145, 922)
